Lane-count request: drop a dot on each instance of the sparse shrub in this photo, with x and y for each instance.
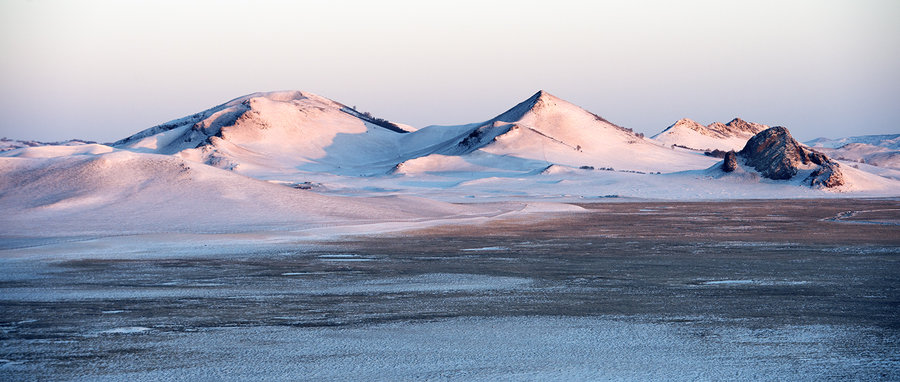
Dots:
(367, 116)
(716, 153)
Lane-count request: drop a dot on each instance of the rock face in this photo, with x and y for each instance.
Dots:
(730, 162)
(776, 155)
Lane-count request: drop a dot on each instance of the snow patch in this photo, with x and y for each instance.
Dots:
(754, 282)
(483, 249)
(127, 330)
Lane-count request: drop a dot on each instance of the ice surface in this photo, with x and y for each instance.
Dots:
(433, 282)
(487, 249)
(127, 330)
(753, 282)
(514, 348)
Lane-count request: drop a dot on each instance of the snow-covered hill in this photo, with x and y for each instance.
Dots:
(298, 138)
(239, 166)
(287, 135)
(716, 136)
(542, 131)
(266, 134)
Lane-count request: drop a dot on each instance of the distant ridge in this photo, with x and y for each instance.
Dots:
(889, 141)
(875, 150)
(7, 144)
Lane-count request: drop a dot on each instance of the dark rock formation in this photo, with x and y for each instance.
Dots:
(776, 155)
(730, 162)
(828, 175)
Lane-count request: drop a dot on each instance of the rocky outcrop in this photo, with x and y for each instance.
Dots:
(737, 126)
(689, 134)
(828, 175)
(776, 155)
(730, 162)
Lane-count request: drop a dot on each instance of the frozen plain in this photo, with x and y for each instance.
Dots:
(739, 290)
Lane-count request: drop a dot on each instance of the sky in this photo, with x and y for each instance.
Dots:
(103, 70)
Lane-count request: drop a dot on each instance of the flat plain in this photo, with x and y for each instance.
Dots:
(748, 290)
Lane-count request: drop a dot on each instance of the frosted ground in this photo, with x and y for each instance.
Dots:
(741, 290)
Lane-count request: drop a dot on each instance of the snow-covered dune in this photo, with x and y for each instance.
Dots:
(123, 192)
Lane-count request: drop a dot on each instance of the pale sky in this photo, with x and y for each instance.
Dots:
(102, 70)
